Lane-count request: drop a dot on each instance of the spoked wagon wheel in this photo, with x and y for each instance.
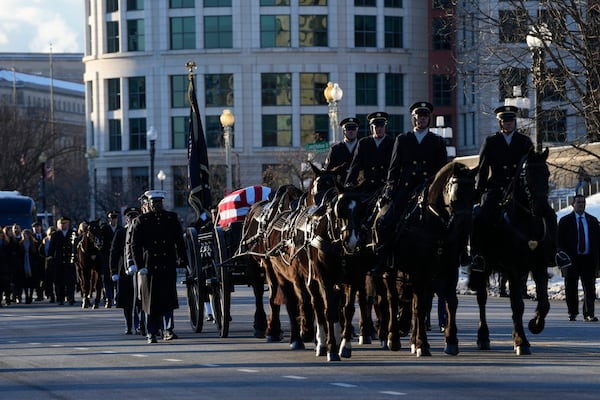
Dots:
(194, 282)
(222, 291)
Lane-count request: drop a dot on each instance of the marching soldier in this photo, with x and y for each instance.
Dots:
(157, 247)
(340, 154)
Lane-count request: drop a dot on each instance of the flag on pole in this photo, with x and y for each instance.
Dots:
(198, 172)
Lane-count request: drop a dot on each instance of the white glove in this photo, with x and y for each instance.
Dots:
(115, 277)
(143, 271)
(131, 270)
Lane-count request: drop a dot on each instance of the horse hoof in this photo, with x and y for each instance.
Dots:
(345, 352)
(423, 352)
(364, 340)
(394, 345)
(384, 345)
(523, 350)
(483, 345)
(95, 306)
(321, 351)
(274, 339)
(413, 349)
(451, 349)
(259, 334)
(297, 345)
(333, 357)
(536, 325)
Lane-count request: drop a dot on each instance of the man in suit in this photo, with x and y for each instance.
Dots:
(579, 237)
(372, 156)
(340, 154)
(61, 254)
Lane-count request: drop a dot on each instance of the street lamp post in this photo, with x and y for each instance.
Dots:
(333, 94)
(152, 134)
(91, 155)
(42, 159)
(227, 120)
(161, 177)
(538, 39)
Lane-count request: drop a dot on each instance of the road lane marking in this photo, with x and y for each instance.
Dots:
(248, 370)
(294, 377)
(172, 359)
(344, 385)
(139, 355)
(393, 393)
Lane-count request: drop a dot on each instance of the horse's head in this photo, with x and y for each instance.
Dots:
(531, 183)
(349, 213)
(321, 183)
(93, 234)
(453, 189)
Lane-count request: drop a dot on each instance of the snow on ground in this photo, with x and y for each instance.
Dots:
(556, 284)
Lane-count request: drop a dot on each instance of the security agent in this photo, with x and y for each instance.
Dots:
(417, 156)
(340, 154)
(157, 246)
(372, 156)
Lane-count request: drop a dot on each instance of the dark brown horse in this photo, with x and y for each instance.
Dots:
(89, 264)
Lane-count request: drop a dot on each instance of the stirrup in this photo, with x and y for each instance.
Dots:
(477, 264)
(562, 260)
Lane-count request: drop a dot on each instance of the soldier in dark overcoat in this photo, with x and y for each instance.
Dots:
(158, 247)
(108, 231)
(340, 154)
(417, 156)
(371, 160)
(61, 254)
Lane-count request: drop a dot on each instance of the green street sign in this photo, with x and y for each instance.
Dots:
(318, 147)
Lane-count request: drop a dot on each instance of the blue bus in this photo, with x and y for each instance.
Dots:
(16, 209)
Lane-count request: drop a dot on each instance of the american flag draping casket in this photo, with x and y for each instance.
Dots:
(235, 206)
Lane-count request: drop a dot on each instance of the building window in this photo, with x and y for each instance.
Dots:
(310, 124)
(274, 31)
(139, 179)
(137, 92)
(214, 132)
(554, 86)
(394, 89)
(274, 2)
(183, 33)
(133, 5)
(442, 4)
(394, 3)
(509, 78)
(217, 3)
(112, 5)
(218, 90)
(179, 87)
(112, 37)
(137, 133)
(276, 89)
(312, 2)
(513, 26)
(365, 3)
(114, 93)
(312, 30)
(365, 31)
(181, 3)
(395, 124)
(277, 130)
(90, 96)
(312, 87)
(180, 186)
(554, 125)
(442, 34)
(114, 135)
(442, 90)
(218, 33)
(135, 35)
(393, 32)
(179, 132)
(115, 180)
(366, 89)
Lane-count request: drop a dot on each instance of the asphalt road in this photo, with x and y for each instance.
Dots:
(64, 352)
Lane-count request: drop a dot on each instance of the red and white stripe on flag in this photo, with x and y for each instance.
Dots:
(235, 206)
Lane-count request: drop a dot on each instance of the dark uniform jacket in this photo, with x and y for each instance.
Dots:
(118, 266)
(567, 237)
(415, 163)
(372, 161)
(339, 158)
(501, 160)
(61, 250)
(157, 244)
(107, 239)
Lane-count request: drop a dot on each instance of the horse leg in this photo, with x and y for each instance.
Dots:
(483, 332)
(273, 332)
(82, 278)
(365, 304)
(540, 277)
(347, 315)
(332, 320)
(521, 344)
(420, 299)
(293, 310)
(318, 305)
(258, 287)
(450, 330)
(392, 280)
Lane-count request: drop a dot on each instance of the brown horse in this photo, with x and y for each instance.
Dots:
(89, 264)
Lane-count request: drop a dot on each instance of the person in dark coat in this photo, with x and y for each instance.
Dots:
(158, 248)
(108, 233)
(340, 154)
(61, 254)
(369, 166)
(579, 237)
(123, 272)
(417, 155)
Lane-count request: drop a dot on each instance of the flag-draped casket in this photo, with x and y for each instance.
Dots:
(235, 206)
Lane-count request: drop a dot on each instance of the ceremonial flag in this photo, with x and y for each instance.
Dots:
(198, 172)
(235, 206)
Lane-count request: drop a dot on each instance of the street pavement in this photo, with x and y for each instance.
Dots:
(65, 352)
